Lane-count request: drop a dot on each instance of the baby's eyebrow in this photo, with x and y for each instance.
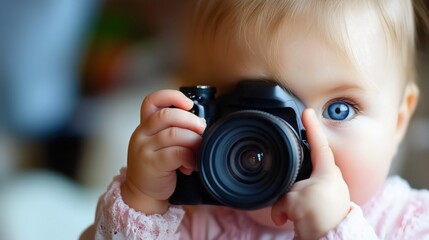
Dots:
(342, 88)
(336, 90)
(343, 85)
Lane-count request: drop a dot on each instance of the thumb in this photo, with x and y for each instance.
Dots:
(322, 158)
(278, 212)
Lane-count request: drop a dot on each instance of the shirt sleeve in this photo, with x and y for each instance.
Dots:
(116, 220)
(354, 226)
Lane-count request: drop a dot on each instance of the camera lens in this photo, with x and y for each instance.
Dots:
(249, 158)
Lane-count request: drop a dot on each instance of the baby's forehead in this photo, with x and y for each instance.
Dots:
(345, 29)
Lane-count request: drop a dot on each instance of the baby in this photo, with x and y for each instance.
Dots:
(352, 64)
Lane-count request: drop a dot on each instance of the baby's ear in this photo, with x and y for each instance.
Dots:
(406, 109)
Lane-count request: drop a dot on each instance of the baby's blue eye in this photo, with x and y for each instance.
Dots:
(339, 111)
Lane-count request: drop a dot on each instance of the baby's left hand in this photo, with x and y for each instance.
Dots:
(318, 204)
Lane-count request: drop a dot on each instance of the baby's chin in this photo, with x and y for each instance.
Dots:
(263, 217)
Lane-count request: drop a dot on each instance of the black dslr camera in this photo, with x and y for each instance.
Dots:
(253, 150)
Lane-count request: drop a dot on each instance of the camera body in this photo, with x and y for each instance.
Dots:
(253, 150)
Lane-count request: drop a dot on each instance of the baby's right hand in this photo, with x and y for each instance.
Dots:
(165, 140)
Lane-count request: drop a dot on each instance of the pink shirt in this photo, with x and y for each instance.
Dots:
(396, 212)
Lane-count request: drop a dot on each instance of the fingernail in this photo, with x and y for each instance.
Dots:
(311, 112)
(203, 123)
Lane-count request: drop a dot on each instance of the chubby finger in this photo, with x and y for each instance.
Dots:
(171, 158)
(163, 99)
(174, 136)
(173, 117)
(290, 207)
(280, 209)
(322, 158)
(278, 216)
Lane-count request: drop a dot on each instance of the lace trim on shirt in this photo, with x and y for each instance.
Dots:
(116, 220)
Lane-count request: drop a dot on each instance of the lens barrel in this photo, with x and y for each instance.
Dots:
(250, 158)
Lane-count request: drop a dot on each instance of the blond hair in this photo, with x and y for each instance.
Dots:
(254, 25)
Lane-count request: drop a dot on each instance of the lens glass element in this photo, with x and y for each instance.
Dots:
(251, 160)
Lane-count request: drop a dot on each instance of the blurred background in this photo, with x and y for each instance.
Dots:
(73, 74)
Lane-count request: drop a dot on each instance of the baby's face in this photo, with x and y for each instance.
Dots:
(357, 103)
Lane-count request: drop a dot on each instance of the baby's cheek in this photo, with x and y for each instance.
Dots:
(363, 187)
(364, 167)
